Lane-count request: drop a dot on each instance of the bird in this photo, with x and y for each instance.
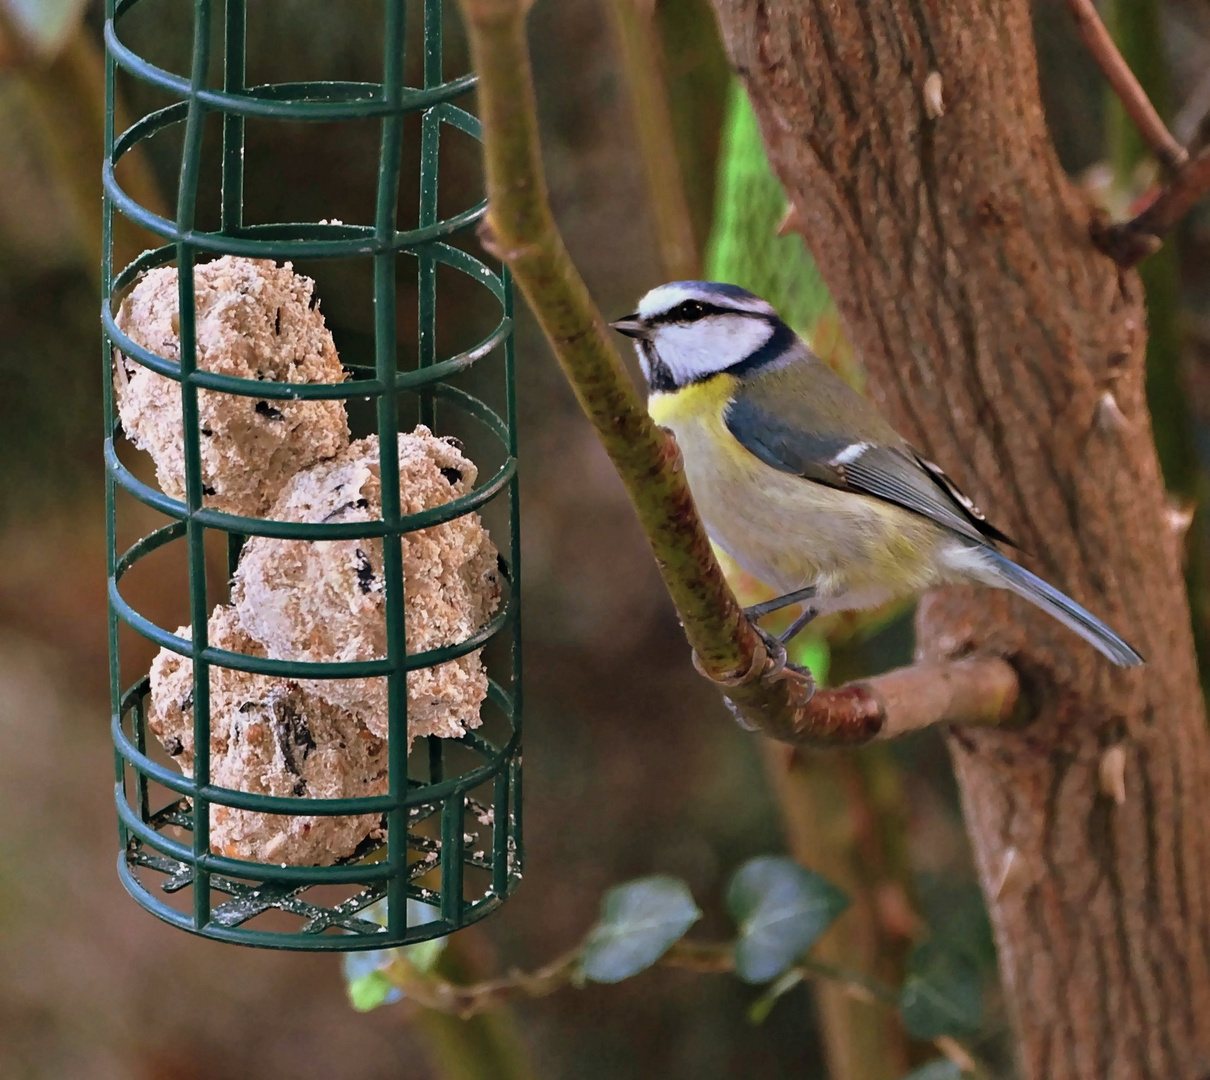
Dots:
(799, 478)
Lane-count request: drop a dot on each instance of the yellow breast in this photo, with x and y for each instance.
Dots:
(787, 531)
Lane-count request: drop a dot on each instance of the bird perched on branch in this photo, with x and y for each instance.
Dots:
(801, 480)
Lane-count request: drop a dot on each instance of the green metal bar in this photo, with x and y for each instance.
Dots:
(138, 720)
(453, 843)
(111, 542)
(385, 215)
(317, 101)
(235, 65)
(293, 530)
(436, 760)
(430, 144)
(500, 834)
(512, 825)
(195, 533)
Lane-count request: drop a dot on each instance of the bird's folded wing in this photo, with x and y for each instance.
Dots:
(895, 474)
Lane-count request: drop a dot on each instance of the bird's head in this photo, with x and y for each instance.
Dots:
(687, 331)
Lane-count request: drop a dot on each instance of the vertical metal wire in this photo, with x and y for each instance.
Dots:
(111, 539)
(195, 532)
(512, 826)
(426, 272)
(453, 845)
(235, 65)
(430, 143)
(385, 216)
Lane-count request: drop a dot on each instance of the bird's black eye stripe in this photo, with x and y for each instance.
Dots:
(688, 311)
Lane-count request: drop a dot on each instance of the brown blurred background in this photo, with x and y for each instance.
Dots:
(632, 764)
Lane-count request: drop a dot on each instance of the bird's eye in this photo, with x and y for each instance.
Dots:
(691, 310)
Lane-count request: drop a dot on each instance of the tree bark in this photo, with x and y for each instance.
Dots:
(1007, 348)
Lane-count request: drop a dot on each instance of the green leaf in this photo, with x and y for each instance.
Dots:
(640, 921)
(941, 1069)
(423, 956)
(959, 908)
(365, 972)
(371, 990)
(943, 993)
(781, 910)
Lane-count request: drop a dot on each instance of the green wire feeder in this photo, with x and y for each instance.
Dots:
(451, 813)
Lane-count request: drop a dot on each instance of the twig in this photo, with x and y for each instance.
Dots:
(967, 1063)
(1129, 242)
(431, 991)
(1190, 123)
(67, 94)
(520, 230)
(465, 1001)
(642, 62)
(1128, 89)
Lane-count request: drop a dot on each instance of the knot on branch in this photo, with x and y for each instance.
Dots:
(506, 253)
(757, 670)
(1127, 243)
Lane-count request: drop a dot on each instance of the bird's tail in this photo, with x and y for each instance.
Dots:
(1032, 588)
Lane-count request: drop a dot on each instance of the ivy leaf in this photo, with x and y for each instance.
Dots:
(941, 1069)
(640, 921)
(943, 993)
(781, 910)
(366, 981)
(423, 956)
(372, 989)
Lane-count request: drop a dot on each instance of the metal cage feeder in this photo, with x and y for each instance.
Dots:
(452, 811)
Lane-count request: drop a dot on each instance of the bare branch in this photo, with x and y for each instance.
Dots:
(432, 991)
(643, 63)
(519, 229)
(978, 690)
(1129, 242)
(1128, 89)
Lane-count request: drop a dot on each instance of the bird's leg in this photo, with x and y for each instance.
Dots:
(767, 607)
(796, 627)
(776, 644)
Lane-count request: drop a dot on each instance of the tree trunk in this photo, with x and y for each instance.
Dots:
(1007, 348)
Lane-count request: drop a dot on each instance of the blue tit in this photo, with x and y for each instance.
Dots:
(801, 481)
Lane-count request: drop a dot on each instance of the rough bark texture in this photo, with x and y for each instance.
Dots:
(1010, 350)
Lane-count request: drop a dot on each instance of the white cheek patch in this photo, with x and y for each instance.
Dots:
(699, 349)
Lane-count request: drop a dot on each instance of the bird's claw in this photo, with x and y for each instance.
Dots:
(776, 650)
(778, 660)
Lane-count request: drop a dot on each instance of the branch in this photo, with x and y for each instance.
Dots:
(432, 991)
(1129, 242)
(1128, 89)
(520, 230)
(642, 61)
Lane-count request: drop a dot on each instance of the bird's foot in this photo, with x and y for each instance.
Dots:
(775, 646)
(767, 607)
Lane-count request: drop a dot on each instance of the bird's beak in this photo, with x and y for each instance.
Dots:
(631, 326)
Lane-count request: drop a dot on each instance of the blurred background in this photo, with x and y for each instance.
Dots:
(633, 765)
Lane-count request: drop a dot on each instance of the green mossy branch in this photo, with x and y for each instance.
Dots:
(520, 230)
